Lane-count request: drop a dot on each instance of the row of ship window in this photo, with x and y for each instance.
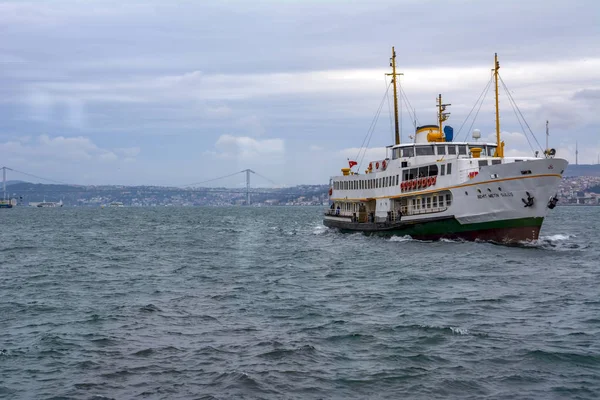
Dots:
(431, 202)
(407, 174)
(441, 150)
(375, 183)
(420, 203)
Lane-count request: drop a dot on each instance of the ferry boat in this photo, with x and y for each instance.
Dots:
(46, 204)
(435, 188)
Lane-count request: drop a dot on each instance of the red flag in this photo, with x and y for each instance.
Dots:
(352, 163)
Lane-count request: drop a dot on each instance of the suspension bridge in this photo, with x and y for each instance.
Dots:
(58, 188)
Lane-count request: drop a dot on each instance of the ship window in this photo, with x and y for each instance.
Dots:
(496, 162)
(425, 150)
(449, 169)
(397, 180)
(422, 172)
(452, 150)
(491, 151)
(441, 201)
(404, 164)
(462, 150)
(448, 199)
(441, 150)
(435, 201)
(433, 170)
(483, 163)
(408, 152)
(429, 202)
(526, 172)
(443, 169)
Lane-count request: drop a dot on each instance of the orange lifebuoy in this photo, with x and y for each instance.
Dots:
(423, 182)
(330, 191)
(383, 165)
(430, 181)
(434, 180)
(402, 186)
(377, 165)
(414, 184)
(370, 165)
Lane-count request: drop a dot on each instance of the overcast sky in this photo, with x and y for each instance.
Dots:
(176, 92)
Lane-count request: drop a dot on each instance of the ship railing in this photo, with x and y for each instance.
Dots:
(339, 213)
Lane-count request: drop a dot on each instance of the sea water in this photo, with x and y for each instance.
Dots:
(267, 303)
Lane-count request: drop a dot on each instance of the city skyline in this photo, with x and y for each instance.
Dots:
(168, 94)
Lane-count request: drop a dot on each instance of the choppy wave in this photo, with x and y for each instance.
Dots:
(268, 303)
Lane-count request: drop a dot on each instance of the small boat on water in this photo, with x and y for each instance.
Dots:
(46, 204)
(433, 188)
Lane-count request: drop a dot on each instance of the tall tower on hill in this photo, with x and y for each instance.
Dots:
(576, 154)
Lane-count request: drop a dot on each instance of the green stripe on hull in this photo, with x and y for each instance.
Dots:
(521, 229)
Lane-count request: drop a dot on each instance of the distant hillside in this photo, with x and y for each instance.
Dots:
(95, 196)
(583, 170)
(13, 182)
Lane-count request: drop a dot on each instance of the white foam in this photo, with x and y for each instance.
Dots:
(320, 229)
(459, 331)
(404, 238)
(557, 237)
(446, 240)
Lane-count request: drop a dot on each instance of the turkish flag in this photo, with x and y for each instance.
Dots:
(352, 163)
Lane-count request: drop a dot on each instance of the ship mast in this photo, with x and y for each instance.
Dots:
(547, 134)
(394, 74)
(500, 148)
(442, 116)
